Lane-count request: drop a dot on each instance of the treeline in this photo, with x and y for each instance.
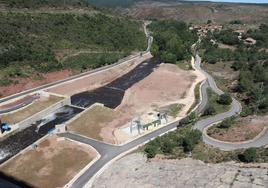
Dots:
(172, 40)
(186, 142)
(251, 62)
(182, 140)
(32, 4)
(29, 41)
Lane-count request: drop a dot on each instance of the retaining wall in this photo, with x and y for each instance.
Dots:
(40, 115)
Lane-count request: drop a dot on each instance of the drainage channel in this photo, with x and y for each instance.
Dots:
(111, 95)
(13, 144)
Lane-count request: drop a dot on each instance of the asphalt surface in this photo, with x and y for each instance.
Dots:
(18, 106)
(109, 152)
(235, 110)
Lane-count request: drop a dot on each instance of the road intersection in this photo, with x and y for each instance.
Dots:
(110, 152)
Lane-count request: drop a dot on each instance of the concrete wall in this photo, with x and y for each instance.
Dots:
(40, 115)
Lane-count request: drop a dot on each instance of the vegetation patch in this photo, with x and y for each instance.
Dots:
(172, 41)
(196, 97)
(81, 61)
(185, 142)
(29, 41)
(214, 105)
(249, 62)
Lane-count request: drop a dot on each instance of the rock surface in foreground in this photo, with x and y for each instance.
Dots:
(134, 171)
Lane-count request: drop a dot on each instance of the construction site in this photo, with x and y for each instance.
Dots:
(115, 105)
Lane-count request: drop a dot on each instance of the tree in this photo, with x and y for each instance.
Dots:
(150, 150)
(191, 139)
(210, 110)
(225, 99)
(245, 80)
(167, 145)
(155, 50)
(249, 155)
(168, 57)
(227, 123)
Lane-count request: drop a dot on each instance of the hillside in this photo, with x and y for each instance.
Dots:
(196, 12)
(39, 41)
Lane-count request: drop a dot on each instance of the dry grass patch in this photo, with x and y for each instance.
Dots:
(92, 122)
(32, 109)
(53, 164)
(243, 129)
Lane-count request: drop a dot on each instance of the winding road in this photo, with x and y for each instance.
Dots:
(236, 108)
(108, 152)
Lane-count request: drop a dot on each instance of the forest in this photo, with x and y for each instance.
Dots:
(29, 42)
(172, 40)
(250, 61)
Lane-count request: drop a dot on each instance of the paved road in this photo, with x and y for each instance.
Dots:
(235, 110)
(109, 152)
(18, 106)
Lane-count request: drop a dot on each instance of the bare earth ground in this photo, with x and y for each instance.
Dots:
(28, 83)
(35, 107)
(96, 80)
(135, 171)
(167, 84)
(243, 129)
(94, 121)
(198, 12)
(53, 164)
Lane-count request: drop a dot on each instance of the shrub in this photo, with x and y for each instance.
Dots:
(210, 110)
(225, 99)
(189, 119)
(249, 155)
(150, 150)
(191, 139)
(227, 123)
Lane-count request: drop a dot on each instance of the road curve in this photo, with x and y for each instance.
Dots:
(236, 108)
(109, 152)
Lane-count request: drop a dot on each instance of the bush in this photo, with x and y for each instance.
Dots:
(249, 155)
(150, 150)
(225, 99)
(191, 139)
(246, 111)
(189, 119)
(167, 146)
(227, 123)
(210, 110)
